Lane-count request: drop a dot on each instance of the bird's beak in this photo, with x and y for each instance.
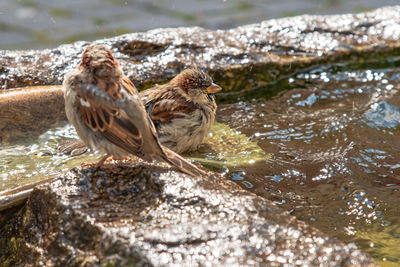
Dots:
(213, 88)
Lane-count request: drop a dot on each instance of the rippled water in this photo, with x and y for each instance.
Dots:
(334, 137)
(323, 145)
(23, 163)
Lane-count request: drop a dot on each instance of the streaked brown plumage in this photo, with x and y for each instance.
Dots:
(183, 110)
(103, 106)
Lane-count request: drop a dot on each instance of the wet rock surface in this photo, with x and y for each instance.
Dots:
(143, 215)
(239, 58)
(30, 110)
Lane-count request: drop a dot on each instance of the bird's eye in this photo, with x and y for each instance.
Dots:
(86, 60)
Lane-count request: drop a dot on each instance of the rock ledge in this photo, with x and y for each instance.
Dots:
(143, 215)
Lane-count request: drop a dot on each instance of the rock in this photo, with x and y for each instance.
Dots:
(239, 58)
(28, 111)
(144, 215)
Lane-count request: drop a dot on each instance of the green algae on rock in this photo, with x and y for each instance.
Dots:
(225, 147)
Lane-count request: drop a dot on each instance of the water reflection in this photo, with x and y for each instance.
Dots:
(28, 162)
(334, 137)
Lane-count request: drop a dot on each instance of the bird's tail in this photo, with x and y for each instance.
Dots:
(181, 163)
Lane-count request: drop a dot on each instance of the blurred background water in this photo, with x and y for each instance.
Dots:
(31, 24)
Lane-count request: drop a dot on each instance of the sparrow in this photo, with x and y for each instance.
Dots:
(182, 110)
(104, 107)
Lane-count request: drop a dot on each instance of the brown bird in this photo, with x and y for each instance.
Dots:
(183, 110)
(104, 107)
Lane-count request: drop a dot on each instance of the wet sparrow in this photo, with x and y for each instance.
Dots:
(103, 106)
(182, 110)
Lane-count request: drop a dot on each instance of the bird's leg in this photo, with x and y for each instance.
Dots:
(101, 162)
(96, 165)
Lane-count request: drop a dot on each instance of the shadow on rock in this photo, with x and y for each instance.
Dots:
(144, 214)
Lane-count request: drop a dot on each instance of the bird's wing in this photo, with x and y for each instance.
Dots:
(124, 122)
(163, 105)
(102, 110)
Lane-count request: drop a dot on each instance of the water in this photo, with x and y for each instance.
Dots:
(323, 145)
(26, 162)
(334, 139)
(23, 162)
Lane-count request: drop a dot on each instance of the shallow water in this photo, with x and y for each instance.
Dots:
(29, 160)
(334, 139)
(323, 145)
(26, 162)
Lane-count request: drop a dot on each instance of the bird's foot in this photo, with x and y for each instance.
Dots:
(99, 164)
(88, 164)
